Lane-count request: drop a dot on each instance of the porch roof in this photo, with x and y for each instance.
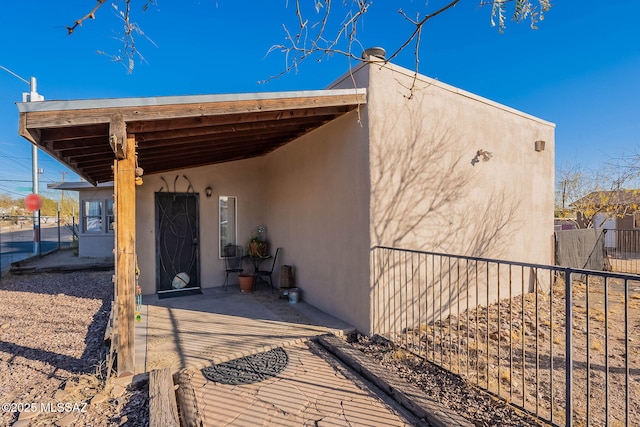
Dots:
(179, 132)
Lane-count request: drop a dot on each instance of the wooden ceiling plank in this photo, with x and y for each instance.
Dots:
(232, 119)
(98, 161)
(229, 128)
(228, 135)
(161, 166)
(73, 133)
(189, 153)
(87, 151)
(88, 159)
(248, 145)
(79, 143)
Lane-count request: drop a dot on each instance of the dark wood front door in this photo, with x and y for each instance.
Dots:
(177, 243)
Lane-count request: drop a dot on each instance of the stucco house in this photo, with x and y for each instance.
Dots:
(380, 157)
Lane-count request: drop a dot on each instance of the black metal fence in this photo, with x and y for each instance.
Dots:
(562, 344)
(17, 237)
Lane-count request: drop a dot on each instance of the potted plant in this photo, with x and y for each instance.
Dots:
(246, 282)
(258, 245)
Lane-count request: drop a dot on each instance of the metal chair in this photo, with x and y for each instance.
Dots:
(232, 261)
(268, 273)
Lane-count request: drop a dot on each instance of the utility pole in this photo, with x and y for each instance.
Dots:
(32, 96)
(62, 196)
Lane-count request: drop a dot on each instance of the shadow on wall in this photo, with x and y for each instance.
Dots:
(427, 195)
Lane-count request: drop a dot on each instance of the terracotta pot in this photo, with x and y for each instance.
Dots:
(246, 282)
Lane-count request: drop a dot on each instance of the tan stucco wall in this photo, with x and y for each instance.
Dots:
(244, 179)
(95, 245)
(426, 194)
(317, 196)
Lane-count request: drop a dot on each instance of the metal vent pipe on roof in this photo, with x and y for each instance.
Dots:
(374, 54)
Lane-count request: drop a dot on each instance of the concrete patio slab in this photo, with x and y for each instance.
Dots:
(311, 391)
(193, 332)
(196, 330)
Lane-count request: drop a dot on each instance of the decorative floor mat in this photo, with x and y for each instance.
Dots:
(249, 369)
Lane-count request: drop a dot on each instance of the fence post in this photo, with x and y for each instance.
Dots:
(569, 347)
(59, 241)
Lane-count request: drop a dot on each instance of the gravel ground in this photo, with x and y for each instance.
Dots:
(447, 389)
(52, 354)
(516, 349)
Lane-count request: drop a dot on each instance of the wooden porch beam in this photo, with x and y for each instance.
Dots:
(125, 210)
(91, 116)
(118, 136)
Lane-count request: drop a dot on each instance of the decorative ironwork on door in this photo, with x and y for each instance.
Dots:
(177, 242)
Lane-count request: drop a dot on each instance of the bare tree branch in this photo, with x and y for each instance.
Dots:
(299, 49)
(419, 24)
(325, 33)
(130, 31)
(90, 15)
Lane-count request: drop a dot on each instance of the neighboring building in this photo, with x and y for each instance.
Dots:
(404, 161)
(617, 212)
(618, 209)
(95, 227)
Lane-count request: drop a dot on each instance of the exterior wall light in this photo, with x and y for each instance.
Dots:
(539, 145)
(208, 191)
(481, 155)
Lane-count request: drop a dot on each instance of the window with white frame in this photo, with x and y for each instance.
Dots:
(97, 216)
(227, 216)
(110, 217)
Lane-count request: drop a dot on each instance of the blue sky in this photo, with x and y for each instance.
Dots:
(580, 70)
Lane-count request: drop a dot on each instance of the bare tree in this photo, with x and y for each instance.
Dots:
(593, 196)
(328, 27)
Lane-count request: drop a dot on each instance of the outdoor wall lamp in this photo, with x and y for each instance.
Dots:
(483, 155)
(208, 191)
(539, 145)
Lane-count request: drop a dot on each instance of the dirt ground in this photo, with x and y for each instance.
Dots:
(52, 354)
(516, 349)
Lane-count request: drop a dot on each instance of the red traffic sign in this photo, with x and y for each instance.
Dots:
(33, 202)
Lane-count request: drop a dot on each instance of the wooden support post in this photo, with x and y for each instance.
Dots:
(163, 410)
(125, 210)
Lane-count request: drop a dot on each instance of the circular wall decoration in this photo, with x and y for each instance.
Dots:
(249, 369)
(180, 281)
